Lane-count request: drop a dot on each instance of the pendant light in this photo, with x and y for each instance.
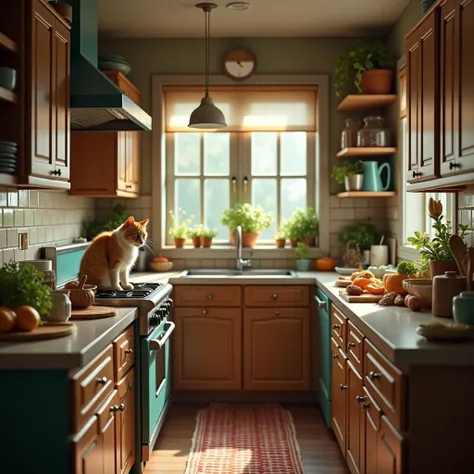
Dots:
(207, 115)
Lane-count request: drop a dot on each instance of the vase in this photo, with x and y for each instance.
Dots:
(440, 267)
(206, 242)
(280, 243)
(302, 264)
(377, 81)
(354, 182)
(179, 242)
(249, 239)
(309, 241)
(196, 242)
(426, 5)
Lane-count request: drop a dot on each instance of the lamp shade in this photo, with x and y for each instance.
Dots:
(207, 115)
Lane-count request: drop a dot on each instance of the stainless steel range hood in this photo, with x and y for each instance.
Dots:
(97, 104)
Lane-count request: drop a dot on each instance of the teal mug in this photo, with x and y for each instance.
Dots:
(463, 305)
(373, 176)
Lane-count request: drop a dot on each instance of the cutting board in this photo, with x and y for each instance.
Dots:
(343, 283)
(47, 331)
(94, 312)
(364, 298)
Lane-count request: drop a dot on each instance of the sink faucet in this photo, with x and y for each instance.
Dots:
(241, 262)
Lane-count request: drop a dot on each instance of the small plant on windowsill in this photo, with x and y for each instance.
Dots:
(195, 234)
(303, 227)
(252, 219)
(179, 227)
(207, 235)
(280, 237)
(302, 251)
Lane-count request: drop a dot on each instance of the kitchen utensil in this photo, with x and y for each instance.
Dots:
(378, 255)
(445, 288)
(462, 308)
(381, 239)
(445, 332)
(421, 287)
(373, 176)
(458, 249)
(61, 310)
(8, 78)
(363, 298)
(94, 312)
(46, 331)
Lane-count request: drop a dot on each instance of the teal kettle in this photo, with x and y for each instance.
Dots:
(373, 176)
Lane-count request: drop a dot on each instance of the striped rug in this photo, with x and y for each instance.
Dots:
(244, 439)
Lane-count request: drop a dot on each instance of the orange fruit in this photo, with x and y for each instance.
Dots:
(7, 319)
(27, 318)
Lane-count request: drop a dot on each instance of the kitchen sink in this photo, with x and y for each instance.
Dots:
(232, 273)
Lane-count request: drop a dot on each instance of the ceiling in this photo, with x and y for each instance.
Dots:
(264, 18)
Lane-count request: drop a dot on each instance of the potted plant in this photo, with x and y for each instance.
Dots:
(369, 65)
(207, 235)
(280, 238)
(179, 227)
(252, 219)
(302, 251)
(195, 235)
(351, 173)
(303, 227)
(437, 250)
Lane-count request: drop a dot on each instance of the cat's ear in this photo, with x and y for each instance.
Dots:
(144, 222)
(130, 221)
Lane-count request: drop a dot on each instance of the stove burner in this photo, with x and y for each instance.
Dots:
(140, 290)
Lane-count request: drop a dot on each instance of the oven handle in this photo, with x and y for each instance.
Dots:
(157, 344)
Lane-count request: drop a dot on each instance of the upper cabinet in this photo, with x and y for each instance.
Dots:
(440, 97)
(107, 164)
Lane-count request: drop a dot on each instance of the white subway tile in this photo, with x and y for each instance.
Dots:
(12, 198)
(29, 217)
(38, 217)
(8, 218)
(18, 217)
(12, 238)
(41, 235)
(3, 198)
(33, 235)
(8, 255)
(23, 198)
(19, 255)
(3, 238)
(34, 199)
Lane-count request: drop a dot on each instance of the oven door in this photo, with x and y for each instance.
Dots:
(155, 383)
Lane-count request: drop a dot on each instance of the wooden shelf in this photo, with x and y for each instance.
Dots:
(366, 151)
(7, 95)
(366, 101)
(7, 44)
(367, 194)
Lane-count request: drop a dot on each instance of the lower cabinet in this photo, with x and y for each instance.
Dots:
(339, 390)
(355, 421)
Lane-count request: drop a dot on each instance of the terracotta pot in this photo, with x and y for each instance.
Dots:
(206, 242)
(280, 243)
(377, 81)
(441, 267)
(179, 242)
(309, 241)
(249, 239)
(294, 243)
(196, 242)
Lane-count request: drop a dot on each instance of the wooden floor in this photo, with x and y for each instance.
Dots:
(319, 449)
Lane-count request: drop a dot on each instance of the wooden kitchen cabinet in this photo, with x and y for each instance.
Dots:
(107, 164)
(339, 395)
(276, 349)
(207, 348)
(355, 421)
(126, 423)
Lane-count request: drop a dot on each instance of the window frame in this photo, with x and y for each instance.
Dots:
(158, 183)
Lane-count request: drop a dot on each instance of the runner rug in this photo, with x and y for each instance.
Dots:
(244, 439)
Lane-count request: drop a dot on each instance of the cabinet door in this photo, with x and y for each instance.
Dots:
(389, 449)
(88, 450)
(126, 423)
(122, 160)
(42, 91)
(207, 349)
(61, 101)
(108, 421)
(276, 349)
(339, 395)
(355, 420)
(372, 414)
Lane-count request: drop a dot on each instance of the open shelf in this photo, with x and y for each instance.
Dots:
(367, 194)
(366, 101)
(366, 151)
(7, 44)
(7, 95)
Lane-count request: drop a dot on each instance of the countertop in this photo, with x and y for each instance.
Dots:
(391, 329)
(70, 352)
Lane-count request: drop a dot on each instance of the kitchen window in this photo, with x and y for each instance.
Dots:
(266, 155)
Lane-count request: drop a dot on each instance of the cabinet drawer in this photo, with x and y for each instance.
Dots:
(108, 409)
(355, 347)
(124, 353)
(92, 385)
(339, 327)
(385, 383)
(207, 296)
(276, 296)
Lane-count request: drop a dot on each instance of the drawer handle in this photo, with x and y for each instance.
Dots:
(454, 165)
(128, 186)
(374, 375)
(128, 351)
(277, 313)
(102, 380)
(115, 408)
(366, 405)
(274, 297)
(351, 345)
(360, 399)
(335, 356)
(321, 303)
(204, 311)
(416, 175)
(343, 387)
(209, 296)
(336, 326)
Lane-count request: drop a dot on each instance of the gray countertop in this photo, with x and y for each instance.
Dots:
(70, 352)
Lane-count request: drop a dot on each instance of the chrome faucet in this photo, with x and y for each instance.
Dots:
(241, 262)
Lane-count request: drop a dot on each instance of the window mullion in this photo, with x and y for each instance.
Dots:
(169, 185)
(278, 181)
(201, 182)
(246, 168)
(311, 158)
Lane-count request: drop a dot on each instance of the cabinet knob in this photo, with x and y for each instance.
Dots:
(335, 356)
(374, 375)
(209, 296)
(366, 405)
(128, 186)
(56, 172)
(360, 399)
(452, 165)
(129, 351)
(351, 345)
(121, 407)
(204, 311)
(336, 326)
(102, 380)
(343, 387)
(416, 174)
(274, 297)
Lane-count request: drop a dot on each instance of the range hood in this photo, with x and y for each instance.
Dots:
(97, 104)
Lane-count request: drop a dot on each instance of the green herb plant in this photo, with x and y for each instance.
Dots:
(23, 285)
(302, 250)
(195, 231)
(303, 224)
(407, 268)
(362, 56)
(180, 224)
(96, 226)
(364, 233)
(347, 169)
(208, 232)
(251, 218)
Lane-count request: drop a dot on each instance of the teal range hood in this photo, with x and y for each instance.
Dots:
(97, 104)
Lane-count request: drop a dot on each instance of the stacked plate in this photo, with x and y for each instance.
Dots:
(8, 152)
(114, 62)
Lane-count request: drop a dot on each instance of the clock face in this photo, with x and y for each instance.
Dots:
(240, 63)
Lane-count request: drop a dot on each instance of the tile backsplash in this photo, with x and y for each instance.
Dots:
(48, 217)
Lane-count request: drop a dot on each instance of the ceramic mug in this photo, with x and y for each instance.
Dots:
(462, 308)
(379, 255)
(61, 310)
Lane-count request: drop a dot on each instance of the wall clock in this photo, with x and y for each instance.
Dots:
(240, 63)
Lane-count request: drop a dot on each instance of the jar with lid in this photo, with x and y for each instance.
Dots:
(349, 134)
(373, 133)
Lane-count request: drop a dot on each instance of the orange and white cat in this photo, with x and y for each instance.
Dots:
(111, 255)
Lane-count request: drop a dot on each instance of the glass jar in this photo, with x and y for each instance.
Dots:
(349, 134)
(373, 133)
